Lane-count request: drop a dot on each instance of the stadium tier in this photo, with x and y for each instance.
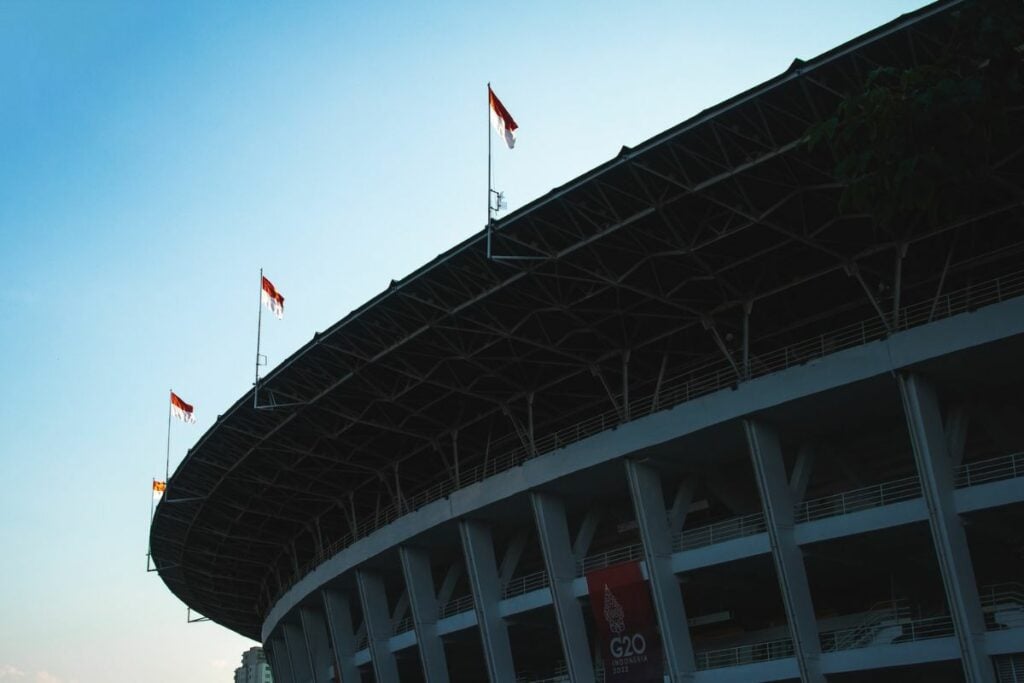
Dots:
(726, 424)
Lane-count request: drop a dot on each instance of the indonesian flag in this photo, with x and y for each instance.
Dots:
(272, 298)
(182, 410)
(502, 120)
(158, 488)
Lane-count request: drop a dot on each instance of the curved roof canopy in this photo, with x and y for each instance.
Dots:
(664, 259)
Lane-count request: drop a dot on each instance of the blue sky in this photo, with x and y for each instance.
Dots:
(153, 156)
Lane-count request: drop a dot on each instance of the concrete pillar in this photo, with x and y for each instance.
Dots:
(374, 600)
(588, 527)
(282, 663)
(777, 504)
(278, 656)
(560, 563)
(482, 571)
(680, 506)
(338, 615)
(419, 586)
(318, 646)
(935, 470)
(297, 655)
(652, 521)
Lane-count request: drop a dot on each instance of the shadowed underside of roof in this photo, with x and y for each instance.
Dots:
(723, 229)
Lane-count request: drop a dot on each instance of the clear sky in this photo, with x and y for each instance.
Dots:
(153, 156)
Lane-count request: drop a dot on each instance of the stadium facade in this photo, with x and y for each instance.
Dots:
(724, 429)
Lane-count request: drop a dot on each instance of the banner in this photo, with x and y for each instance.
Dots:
(630, 644)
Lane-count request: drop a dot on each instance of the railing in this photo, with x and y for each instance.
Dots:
(559, 673)
(697, 381)
(626, 553)
(745, 654)
(462, 603)
(525, 584)
(1003, 604)
(402, 625)
(717, 532)
(994, 469)
(880, 616)
(927, 628)
(858, 499)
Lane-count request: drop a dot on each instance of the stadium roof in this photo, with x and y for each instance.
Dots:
(708, 245)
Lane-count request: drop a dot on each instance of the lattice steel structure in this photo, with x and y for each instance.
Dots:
(712, 255)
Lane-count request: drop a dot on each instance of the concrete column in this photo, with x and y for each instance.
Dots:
(588, 527)
(482, 571)
(338, 615)
(777, 503)
(282, 662)
(278, 656)
(651, 519)
(419, 586)
(297, 655)
(680, 506)
(374, 599)
(801, 476)
(318, 647)
(935, 470)
(553, 532)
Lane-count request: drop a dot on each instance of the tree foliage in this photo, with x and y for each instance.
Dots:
(916, 136)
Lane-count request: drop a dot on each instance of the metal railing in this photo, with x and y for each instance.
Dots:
(725, 530)
(993, 469)
(745, 654)
(626, 553)
(864, 498)
(880, 616)
(560, 672)
(926, 629)
(697, 381)
(463, 603)
(402, 625)
(524, 584)
(999, 594)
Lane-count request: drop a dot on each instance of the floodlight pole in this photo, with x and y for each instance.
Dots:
(259, 329)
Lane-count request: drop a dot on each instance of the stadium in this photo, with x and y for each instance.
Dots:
(712, 423)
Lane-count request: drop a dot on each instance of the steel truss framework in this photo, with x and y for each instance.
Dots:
(716, 241)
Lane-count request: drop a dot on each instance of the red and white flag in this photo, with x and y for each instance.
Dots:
(272, 298)
(181, 410)
(502, 120)
(158, 488)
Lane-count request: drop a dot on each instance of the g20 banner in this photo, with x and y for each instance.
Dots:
(630, 645)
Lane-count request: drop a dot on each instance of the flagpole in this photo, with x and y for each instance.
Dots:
(259, 328)
(167, 466)
(152, 506)
(488, 169)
